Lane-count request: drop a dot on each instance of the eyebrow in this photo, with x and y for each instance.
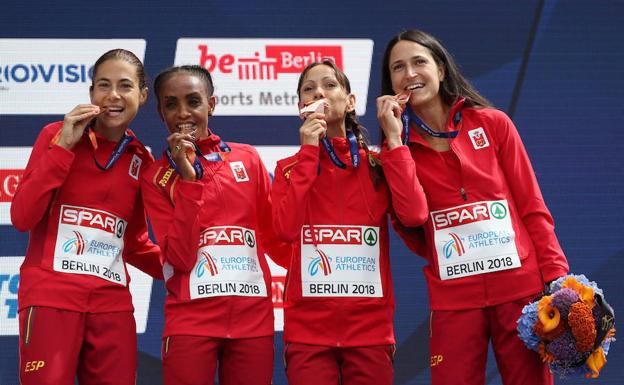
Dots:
(110, 81)
(328, 77)
(410, 58)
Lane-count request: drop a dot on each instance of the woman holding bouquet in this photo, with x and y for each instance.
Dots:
(208, 202)
(489, 239)
(331, 204)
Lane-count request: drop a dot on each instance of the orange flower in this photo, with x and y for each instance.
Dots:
(548, 315)
(595, 362)
(582, 326)
(586, 293)
(552, 335)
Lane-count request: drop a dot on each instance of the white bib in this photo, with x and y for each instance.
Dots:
(475, 238)
(90, 242)
(340, 261)
(227, 264)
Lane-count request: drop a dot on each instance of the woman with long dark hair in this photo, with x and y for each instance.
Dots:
(489, 239)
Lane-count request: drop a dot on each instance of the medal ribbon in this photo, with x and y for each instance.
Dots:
(353, 149)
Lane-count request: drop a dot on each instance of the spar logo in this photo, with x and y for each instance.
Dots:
(319, 263)
(461, 215)
(455, 244)
(46, 73)
(76, 244)
(95, 219)
(206, 264)
(227, 236)
(267, 63)
(370, 237)
(335, 235)
(498, 210)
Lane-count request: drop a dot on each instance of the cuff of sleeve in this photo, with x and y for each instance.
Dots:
(400, 153)
(189, 191)
(309, 152)
(61, 157)
(552, 273)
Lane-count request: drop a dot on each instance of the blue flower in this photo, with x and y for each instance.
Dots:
(525, 326)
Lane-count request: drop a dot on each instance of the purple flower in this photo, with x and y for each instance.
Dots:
(568, 361)
(564, 350)
(562, 300)
(565, 370)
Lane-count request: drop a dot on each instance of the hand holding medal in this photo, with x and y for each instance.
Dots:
(182, 151)
(314, 126)
(389, 111)
(75, 123)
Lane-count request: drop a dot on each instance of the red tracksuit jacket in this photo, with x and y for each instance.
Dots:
(214, 233)
(490, 238)
(339, 287)
(84, 223)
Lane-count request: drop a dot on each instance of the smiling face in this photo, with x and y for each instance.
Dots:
(321, 82)
(413, 68)
(116, 88)
(184, 104)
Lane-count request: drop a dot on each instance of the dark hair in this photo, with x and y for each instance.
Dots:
(351, 121)
(194, 70)
(455, 85)
(127, 56)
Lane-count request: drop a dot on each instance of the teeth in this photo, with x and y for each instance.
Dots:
(412, 87)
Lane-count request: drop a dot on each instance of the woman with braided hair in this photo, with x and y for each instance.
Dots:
(331, 203)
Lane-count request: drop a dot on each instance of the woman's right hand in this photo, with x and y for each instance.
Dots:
(389, 117)
(180, 146)
(313, 129)
(75, 122)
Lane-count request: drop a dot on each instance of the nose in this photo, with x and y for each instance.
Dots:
(318, 93)
(183, 112)
(114, 93)
(411, 71)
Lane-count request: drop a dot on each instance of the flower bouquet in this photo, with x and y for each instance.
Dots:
(571, 327)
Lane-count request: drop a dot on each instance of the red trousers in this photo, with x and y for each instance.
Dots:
(326, 365)
(459, 345)
(56, 345)
(192, 360)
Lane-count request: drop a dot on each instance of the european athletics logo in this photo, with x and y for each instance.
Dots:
(454, 244)
(77, 242)
(207, 263)
(320, 262)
